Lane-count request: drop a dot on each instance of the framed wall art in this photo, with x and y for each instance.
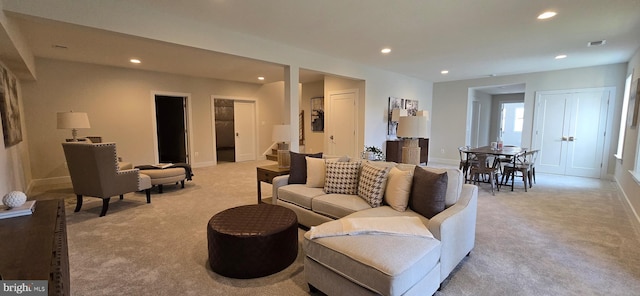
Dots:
(10, 108)
(317, 114)
(398, 103)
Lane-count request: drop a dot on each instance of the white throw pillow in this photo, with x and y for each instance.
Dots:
(398, 189)
(315, 172)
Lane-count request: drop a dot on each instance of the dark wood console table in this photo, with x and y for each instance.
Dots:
(266, 174)
(394, 150)
(34, 247)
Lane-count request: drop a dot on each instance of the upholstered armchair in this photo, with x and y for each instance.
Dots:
(94, 172)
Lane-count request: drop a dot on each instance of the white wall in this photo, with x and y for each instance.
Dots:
(450, 101)
(119, 104)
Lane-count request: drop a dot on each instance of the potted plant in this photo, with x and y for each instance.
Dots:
(372, 153)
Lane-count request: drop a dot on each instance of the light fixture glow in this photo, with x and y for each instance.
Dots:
(561, 56)
(260, 78)
(386, 50)
(135, 61)
(444, 72)
(546, 15)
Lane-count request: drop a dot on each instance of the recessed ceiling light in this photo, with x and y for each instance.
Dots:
(260, 78)
(546, 15)
(444, 72)
(135, 61)
(386, 50)
(561, 56)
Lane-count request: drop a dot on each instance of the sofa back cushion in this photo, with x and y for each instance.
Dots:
(298, 167)
(428, 192)
(454, 182)
(342, 177)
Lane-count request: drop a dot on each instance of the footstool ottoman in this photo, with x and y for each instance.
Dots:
(165, 176)
(252, 241)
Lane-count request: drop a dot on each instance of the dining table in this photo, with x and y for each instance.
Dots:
(509, 152)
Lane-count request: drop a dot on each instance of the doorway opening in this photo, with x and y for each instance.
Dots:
(171, 127)
(235, 129)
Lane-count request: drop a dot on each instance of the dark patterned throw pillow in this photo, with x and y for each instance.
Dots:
(373, 180)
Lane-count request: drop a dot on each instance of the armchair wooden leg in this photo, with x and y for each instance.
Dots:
(182, 183)
(148, 193)
(160, 188)
(78, 203)
(105, 206)
(121, 196)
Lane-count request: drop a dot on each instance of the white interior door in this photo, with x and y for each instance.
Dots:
(341, 123)
(244, 114)
(570, 131)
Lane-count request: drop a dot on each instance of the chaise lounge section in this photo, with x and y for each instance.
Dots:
(378, 264)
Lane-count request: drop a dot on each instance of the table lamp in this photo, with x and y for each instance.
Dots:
(411, 128)
(74, 121)
(282, 134)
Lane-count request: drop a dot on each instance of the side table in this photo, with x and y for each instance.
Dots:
(266, 174)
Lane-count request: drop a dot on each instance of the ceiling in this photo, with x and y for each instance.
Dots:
(470, 39)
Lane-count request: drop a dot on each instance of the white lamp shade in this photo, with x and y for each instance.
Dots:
(281, 133)
(397, 113)
(413, 127)
(423, 113)
(73, 120)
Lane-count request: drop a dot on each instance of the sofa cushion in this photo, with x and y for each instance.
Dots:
(298, 167)
(455, 180)
(342, 177)
(398, 189)
(338, 205)
(299, 194)
(372, 183)
(428, 192)
(315, 172)
(384, 264)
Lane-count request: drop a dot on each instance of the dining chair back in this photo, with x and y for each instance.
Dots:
(486, 168)
(523, 164)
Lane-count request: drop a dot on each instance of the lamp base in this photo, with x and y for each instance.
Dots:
(284, 159)
(411, 152)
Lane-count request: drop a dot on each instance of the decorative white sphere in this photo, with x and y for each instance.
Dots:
(14, 199)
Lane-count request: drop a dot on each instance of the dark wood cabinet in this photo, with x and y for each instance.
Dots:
(394, 150)
(34, 247)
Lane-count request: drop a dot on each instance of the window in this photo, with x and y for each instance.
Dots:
(519, 122)
(623, 117)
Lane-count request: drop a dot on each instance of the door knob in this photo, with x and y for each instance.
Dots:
(331, 137)
(571, 139)
(237, 134)
(564, 138)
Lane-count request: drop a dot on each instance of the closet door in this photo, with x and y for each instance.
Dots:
(569, 131)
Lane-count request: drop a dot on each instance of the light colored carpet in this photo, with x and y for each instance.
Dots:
(566, 236)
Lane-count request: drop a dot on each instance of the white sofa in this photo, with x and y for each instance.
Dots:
(381, 264)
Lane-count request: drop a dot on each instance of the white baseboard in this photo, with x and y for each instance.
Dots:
(204, 164)
(454, 162)
(630, 207)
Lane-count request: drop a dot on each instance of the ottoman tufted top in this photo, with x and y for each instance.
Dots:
(253, 220)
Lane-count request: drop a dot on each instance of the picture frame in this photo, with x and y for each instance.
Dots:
(634, 107)
(317, 114)
(10, 108)
(399, 103)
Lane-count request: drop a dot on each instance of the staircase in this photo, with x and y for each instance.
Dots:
(273, 156)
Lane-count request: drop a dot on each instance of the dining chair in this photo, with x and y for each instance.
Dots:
(523, 164)
(466, 161)
(487, 167)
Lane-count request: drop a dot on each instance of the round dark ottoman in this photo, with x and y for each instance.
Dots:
(252, 241)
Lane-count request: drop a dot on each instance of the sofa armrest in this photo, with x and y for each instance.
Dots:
(278, 182)
(455, 227)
